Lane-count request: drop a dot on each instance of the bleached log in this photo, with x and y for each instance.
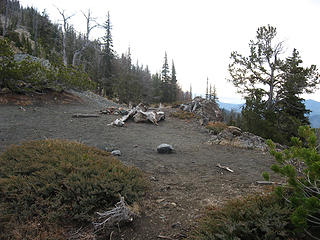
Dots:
(224, 167)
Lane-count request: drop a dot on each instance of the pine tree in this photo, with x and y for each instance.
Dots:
(271, 87)
(165, 78)
(173, 83)
(108, 57)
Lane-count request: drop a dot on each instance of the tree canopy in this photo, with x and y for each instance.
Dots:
(272, 86)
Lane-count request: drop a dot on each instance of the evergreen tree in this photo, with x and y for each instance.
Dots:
(165, 78)
(271, 87)
(108, 57)
(173, 83)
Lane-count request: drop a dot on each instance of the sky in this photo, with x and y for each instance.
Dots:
(198, 35)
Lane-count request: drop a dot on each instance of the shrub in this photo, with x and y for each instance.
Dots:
(29, 75)
(250, 218)
(300, 164)
(63, 182)
(216, 127)
(183, 114)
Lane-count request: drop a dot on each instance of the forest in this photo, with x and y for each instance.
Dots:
(113, 74)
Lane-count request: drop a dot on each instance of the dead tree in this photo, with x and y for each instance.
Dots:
(77, 54)
(4, 32)
(65, 28)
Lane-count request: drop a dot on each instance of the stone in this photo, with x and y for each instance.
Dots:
(116, 153)
(235, 130)
(164, 148)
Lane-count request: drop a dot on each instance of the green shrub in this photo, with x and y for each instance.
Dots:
(255, 217)
(300, 164)
(29, 76)
(216, 127)
(63, 182)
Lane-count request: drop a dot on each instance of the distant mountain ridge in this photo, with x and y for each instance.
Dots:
(312, 105)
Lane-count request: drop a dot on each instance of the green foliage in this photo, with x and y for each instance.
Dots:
(30, 75)
(255, 217)
(300, 164)
(272, 87)
(216, 127)
(62, 182)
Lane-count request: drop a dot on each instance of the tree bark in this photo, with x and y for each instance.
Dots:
(5, 19)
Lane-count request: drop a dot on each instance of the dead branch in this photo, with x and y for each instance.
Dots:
(165, 237)
(80, 115)
(120, 213)
(224, 167)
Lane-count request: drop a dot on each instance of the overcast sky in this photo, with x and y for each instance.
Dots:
(198, 35)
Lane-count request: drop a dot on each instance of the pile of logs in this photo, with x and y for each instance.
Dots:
(207, 110)
(140, 113)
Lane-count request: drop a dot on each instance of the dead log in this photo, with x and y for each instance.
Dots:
(80, 115)
(224, 167)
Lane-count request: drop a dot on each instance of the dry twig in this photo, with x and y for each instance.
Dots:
(120, 213)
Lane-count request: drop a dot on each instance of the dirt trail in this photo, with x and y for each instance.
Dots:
(182, 183)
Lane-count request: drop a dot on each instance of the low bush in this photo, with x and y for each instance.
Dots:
(62, 182)
(183, 114)
(29, 75)
(251, 218)
(216, 127)
(300, 164)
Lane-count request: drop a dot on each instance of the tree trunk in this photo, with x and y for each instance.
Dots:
(5, 19)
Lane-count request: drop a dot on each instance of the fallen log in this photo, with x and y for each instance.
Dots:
(224, 167)
(140, 114)
(80, 115)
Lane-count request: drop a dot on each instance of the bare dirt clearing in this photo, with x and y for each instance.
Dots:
(181, 184)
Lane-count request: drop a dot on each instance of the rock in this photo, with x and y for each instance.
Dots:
(235, 130)
(5, 90)
(164, 148)
(234, 136)
(116, 153)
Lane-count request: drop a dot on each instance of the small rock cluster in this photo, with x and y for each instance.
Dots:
(22, 56)
(234, 136)
(207, 110)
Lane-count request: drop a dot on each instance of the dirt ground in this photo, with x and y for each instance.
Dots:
(182, 184)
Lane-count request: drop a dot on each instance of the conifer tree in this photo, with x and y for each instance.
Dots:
(173, 83)
(165, 78)
(108, 57)
(271, 87)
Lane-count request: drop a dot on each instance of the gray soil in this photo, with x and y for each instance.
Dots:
(182, 184)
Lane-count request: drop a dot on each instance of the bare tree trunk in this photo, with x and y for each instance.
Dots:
(35, 31)
(5, 19)
(64, 40)
(77, 54)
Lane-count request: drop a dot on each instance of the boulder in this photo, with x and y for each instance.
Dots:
(116, 153)
(164, 148)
